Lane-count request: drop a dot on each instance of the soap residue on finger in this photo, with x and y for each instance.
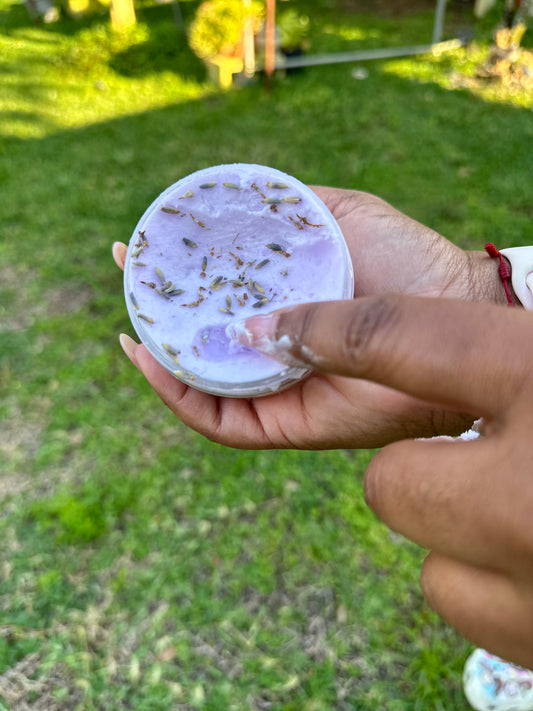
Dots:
(279, 349)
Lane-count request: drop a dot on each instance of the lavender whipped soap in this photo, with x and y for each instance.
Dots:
(218, 246)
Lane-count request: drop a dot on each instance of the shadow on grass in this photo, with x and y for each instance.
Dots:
(166, 49)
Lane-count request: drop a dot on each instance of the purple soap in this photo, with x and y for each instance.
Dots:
(222, 244)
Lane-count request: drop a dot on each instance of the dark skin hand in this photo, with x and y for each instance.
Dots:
(391, 253)
(471, 502)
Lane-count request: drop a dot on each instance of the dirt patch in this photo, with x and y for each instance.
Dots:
(23, 689)
(68, 299)
(19, 443)
(13, 484)
(23, 311)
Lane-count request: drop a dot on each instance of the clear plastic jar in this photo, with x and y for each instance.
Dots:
(218, 246)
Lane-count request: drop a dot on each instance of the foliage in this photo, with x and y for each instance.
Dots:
(98, 45)
(293, 27)
(218, 25)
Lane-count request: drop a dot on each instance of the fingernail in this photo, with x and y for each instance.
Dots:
(129, 347)
(118, 255)
(255, 331)
(261, 332)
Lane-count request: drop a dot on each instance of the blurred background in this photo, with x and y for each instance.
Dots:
(141, 566)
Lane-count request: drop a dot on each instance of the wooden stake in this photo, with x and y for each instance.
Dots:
(270, 41)
(249, 50)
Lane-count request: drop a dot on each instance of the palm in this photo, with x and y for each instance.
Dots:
(324, 412)
(391, 253)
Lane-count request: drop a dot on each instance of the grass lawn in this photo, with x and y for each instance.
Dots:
(141, 566)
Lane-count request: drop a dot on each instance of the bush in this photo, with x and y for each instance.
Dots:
(218, 25)
(293, 28)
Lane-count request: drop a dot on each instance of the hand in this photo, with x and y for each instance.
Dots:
(470, 502)
(391, 253)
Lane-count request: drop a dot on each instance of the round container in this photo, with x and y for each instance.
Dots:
(220, 245)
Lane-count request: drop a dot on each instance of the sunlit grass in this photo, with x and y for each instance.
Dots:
(98, 80)
(459, 70)
(353, 34)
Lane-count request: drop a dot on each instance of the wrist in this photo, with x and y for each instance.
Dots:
(486, 284)
(520, 261)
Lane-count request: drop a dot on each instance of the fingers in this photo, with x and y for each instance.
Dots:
(224, 420)
(470, 357)
(191, 406)
(487, 607)
(129, 347)
(458, 498)
(119, 254)
(176, 395)
(470, 501)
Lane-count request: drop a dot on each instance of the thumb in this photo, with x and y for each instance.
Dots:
(466, 356)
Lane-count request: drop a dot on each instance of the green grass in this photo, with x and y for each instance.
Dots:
(142, 566)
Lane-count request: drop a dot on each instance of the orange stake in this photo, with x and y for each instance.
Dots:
(270, 37)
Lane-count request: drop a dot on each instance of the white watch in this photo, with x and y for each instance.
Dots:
(521, 260)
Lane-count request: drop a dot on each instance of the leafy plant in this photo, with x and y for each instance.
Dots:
(218, 25)
(294, 28)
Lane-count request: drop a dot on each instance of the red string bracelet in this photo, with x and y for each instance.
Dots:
(503, 270)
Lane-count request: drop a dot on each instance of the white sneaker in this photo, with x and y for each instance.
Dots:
(492, 684)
